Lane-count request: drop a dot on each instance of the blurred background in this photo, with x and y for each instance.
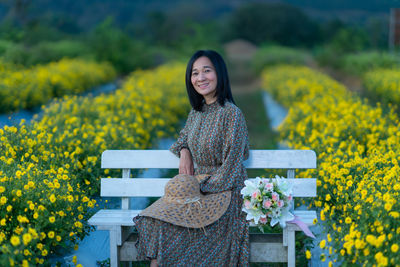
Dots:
(143, 34)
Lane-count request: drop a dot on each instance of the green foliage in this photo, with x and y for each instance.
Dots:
(53, 51)
(16, 54)
(279, 23)
(111, 44)
(345, 40)
(43, 52)
(273, 54)
(5, 45)
(359, 63)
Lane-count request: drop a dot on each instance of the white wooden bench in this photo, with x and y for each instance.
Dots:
(263, 247)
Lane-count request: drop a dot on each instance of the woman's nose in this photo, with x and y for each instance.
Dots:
(201, 76)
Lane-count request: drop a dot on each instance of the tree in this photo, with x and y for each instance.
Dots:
(279, 23)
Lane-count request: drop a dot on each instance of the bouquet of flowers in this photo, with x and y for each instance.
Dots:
(267, 200)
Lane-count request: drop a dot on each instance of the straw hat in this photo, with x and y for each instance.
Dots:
(183, 204)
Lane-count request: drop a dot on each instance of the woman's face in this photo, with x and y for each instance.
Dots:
(204, 79)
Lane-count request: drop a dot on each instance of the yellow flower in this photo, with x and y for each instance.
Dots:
(2, 189)
(388, 206)
(308, 254)
(322, 243)
(74, 259)
(3, 200)
(52, 219)
(27, 238)
(15, 241)
(52, 198)
(328, 197)
(347, 220)
(25, 263)
(18, 193)
(394, 248)
(44, 252)
(50, 234)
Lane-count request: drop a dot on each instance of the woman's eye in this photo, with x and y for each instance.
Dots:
(194, 73)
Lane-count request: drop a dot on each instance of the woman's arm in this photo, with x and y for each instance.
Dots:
(181, 149)
(186, 162)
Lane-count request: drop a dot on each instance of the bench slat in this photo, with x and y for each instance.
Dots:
(263, 247)
(154, 187)
(124, 217)
(164, 159)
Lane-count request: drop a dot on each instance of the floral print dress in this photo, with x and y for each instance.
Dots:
(218, 141)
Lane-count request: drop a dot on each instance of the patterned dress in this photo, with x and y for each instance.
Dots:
(218, 140)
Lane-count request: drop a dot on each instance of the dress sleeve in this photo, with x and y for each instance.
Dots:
(235, 151)
(181, 142)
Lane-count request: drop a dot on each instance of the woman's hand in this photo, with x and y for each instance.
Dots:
(186, 162)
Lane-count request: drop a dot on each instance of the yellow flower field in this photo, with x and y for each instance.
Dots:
(358, 171)
(51, 168)
(28, 88)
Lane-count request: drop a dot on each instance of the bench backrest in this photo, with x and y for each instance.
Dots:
(126, 160)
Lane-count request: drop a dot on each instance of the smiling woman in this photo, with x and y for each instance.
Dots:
(215, 138)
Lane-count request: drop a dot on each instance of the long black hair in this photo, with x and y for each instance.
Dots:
(223, 91)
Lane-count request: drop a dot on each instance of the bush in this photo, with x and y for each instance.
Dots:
(45, 52)
(272, 55)
(345, 40)
(5, 45)
(360, 63)
(50, 168)
(109, 43)
(358, 158)
(28, 88)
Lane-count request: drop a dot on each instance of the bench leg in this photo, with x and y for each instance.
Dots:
(291, 248)
(114, 248)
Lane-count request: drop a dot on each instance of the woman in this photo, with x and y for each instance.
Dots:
(215, 138)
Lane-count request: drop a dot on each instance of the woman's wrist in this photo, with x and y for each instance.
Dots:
(185, 151)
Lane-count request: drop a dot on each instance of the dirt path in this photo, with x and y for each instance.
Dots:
(239, 54)
(353, 83)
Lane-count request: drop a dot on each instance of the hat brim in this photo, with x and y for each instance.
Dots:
(208, 209)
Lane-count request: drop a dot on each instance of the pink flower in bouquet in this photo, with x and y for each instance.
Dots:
(256, 194)
(275, 196)
(290, 197)
(269, 187)
(263, 220)
(247, 204)
(280, 203)
(267, 203)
